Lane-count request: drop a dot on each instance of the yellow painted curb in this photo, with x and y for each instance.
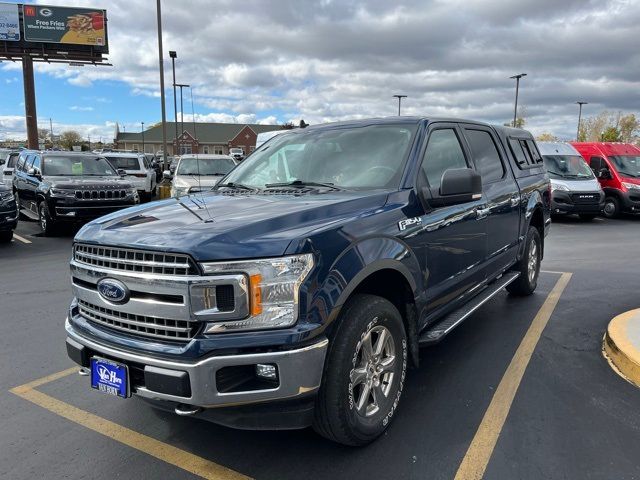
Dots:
(619, 347)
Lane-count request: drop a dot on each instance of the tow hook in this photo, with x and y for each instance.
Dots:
(186, 410)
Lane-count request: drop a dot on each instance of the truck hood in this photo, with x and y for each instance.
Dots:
(87, 182)
(191, 181)
(589, 185)
(215, 226)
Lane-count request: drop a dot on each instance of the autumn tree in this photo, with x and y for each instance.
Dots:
(629, 127)
(547, 137)
(69, 139)
(610, 134)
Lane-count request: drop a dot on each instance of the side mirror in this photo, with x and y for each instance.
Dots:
(121, 172)
(460, 185)
(1, 161)
(167, 175)
(33, 172)
(605, 174)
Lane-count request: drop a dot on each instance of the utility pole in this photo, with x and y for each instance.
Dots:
(142, 130)
(181, 85)
(399, 97)
(579, 119)
(51, 130)
(161, 66)
(173, 54)
(515, 109)
(30, 102)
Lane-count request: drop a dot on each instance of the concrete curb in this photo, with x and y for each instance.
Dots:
(621, 345)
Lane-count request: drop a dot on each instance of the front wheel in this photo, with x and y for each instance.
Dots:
(528, 265)
(364, 372)
(611, 207)
(47, 224)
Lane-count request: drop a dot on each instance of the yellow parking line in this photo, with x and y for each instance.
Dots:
(21, 239)
(143, 443)
(481, 448)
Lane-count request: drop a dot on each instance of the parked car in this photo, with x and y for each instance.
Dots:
(574, 187)
(236, 154)
(617, 166)
(174, 164)
(55, 187)
(299, 290)
(8, 213)
(155, 164)
(137, 171)
(7, 167)
(196, 173)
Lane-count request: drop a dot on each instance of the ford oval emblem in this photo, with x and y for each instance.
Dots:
(113, 291)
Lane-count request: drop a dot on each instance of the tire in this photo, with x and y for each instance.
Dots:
(47, 224)
(611, 207)
(528, 266)
(6, 236)
(21, 216)
(587, 217)
(346, 410)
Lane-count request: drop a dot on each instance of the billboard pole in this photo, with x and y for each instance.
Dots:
(30, 102)
(164, 112)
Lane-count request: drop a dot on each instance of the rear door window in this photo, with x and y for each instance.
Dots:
(124, 163)
(443, 152)
(485, 154)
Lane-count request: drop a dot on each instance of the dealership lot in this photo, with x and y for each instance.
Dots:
(571, 416)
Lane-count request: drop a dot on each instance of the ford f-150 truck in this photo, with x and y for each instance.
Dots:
(298, 291)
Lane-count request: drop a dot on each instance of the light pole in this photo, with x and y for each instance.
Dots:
(515, 109)
(161, 66)
(580, 118)
(181, 85)
(173, 54)
(142, 131)
(399, 97)
(51, 130)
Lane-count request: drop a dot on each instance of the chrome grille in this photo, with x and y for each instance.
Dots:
(100, 194)
(142, 325)
(134, 260)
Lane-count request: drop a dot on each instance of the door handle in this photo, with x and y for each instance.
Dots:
(482, 213)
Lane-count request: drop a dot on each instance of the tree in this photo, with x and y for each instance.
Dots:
(592, 128)
(547, 137)
(629, 128)
(69, 139)
(43, 134)
(610, 134)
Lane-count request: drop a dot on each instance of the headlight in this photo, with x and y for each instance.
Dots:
(559, 187)
(631, 186)
(273, 289)
(62, 192)
(7, 196)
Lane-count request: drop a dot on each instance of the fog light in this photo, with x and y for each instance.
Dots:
(266, 371)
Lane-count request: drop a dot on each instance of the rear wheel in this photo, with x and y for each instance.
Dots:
(528, 265)
(587, 217)
(364, 372)
(47, 224)
(6, 236)
(611, 207)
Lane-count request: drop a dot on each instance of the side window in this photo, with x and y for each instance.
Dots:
(534, 152)
(518, 152)
(443, 152)
(145, 162)
(29, 162)
(21, 162)
(485, 153)
(36, 162)
(596, 163)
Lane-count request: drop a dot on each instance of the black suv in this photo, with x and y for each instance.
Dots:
(54, 187)
(8, 214)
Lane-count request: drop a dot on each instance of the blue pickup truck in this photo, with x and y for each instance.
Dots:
(298, 291)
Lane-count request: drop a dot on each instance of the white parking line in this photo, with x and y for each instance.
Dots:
(21, 239)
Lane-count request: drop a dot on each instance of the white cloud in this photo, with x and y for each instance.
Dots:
(78, 108)
(13, 127)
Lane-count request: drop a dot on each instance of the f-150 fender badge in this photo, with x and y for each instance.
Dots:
(403, 224)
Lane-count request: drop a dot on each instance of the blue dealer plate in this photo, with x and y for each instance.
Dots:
(110, 377)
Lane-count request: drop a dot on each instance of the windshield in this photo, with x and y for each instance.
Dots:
(4, 154)
(77, 166)
(628, 165)
(13, 158)
(354, 158)
(205, 166)
(125, 163)
(567, 166)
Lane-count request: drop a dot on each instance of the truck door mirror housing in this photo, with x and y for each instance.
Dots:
(605, 174)
(460, 185)
(121, 172)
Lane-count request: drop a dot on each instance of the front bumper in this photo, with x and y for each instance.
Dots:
(564, 203)
(631, 201)
(199, 382)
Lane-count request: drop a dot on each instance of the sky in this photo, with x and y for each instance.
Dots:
(273, 61)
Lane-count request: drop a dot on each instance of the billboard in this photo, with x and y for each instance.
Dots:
(70, 25)
(9, 18)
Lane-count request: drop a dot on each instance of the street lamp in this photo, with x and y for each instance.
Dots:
(515, 109)
(173, 54)
(580, 118)
(142, 131)
(161, 66)
(181, 85)
(399, 97)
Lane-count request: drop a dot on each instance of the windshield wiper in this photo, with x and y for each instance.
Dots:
(239, 186)
(302, 184)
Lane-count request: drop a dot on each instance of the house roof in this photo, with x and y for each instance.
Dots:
(204, 132)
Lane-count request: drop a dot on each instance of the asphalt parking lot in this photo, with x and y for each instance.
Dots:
(521, 391)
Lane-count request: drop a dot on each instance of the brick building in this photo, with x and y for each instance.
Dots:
(199, 137)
